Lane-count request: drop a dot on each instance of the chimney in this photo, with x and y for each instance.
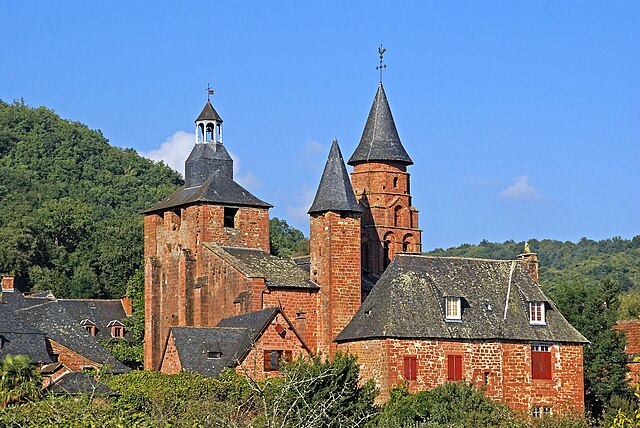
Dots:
(529, 261)
(127, 305)
(7, 284)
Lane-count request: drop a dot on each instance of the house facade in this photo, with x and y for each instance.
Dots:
(365, 287)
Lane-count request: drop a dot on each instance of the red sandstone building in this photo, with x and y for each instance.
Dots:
(365, 287)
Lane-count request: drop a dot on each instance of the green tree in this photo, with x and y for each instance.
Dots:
(593, 311)
(286, 241)
(19, 379)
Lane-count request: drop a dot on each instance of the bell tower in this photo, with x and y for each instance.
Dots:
(381, 185)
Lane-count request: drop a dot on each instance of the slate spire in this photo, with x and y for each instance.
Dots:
(380, 140)
(335, 192)
(209, 113)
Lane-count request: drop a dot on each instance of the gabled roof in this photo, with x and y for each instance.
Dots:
(209, 113)
(19, 337)
(100, 312)
(231, 340)
(194, 343)
(74, 383)
(217, 189)
(277, 272)
(335, 192)
(52, 318)
(380, 140)
(407, 302)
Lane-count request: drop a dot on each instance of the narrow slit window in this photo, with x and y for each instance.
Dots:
(230, 216)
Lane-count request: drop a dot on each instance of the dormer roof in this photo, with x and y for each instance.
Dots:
(380, 140)
(335, 192)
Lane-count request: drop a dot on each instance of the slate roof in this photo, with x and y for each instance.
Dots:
(209, 113)
(204, 159)
(52, 318)
(407, 302)
(335, 192)
(233, 337)
(631, 329)
(380, 140)
(276, 271)
(74, 383)
(99, 311)
(217, 189)
(19, 337)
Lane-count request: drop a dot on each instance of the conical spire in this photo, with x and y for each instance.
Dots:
(335, 192)
(380, 140)
(209, 113)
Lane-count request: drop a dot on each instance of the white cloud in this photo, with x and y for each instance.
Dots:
(175, 150)
(521, 190)
(312, 157)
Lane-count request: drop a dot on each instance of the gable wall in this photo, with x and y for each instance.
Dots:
(300, 306)
(508, 365)
(171, 361)
(70, 359)
(253, 364)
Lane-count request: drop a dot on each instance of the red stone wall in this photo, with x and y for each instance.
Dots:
(70, 359)
(631, 329)
(389, 214)
(508, 366)
(335, 266)
(300, 307)
(178, 274)
(171, 362)
(253, 364)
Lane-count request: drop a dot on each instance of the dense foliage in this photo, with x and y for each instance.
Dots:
(70, 204)
(286, 241)
(19, 379)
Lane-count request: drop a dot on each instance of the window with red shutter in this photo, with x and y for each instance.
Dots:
(540, 362)
(410, 368)
(454, 367)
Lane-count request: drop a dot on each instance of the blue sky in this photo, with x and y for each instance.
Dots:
(522, 117)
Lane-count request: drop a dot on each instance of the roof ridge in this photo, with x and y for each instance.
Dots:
(427, 256)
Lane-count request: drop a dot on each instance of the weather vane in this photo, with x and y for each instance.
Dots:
(382, 66)
(209, 92)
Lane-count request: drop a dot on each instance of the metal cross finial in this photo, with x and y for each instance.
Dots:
(382, 66)
(209, 92)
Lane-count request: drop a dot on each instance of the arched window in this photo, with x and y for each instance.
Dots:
(395, 182)
(200, 132)
(396, 215)
(407, 242)
(210, 132)
(388, 249)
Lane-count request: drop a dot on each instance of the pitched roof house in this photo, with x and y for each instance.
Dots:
(211, 284)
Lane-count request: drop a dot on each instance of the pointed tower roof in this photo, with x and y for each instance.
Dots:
(335, 192)
(380, 140)
(209, 113)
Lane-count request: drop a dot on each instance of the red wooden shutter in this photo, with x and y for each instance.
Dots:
(288, 356)
(540, 365)
(454, 367)
(458, 373)
(410, 368)
(267, 361)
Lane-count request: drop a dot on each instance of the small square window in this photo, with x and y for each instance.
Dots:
(273, 359)
(214, 355)
(230, 216)
(454, 310)
(541, 411)
(537, 313)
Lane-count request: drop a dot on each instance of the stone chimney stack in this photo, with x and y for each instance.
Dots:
(7, 284)
(529, 261)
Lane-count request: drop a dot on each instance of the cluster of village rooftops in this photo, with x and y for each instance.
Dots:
(216, 298)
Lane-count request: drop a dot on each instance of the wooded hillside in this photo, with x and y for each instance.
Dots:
(70, 204)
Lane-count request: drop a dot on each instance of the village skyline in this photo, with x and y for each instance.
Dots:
(521, 119)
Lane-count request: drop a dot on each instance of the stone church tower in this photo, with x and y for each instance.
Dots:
(335, 250)
(382, 187)
(210, 208)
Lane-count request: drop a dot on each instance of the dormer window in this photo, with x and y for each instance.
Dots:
(89, 326)
(214, 355)
(537, 315)
(454, 308)
(117, 328)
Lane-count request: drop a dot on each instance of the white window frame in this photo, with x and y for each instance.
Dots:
(456, 308)
(541, 411)
(543, 313)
